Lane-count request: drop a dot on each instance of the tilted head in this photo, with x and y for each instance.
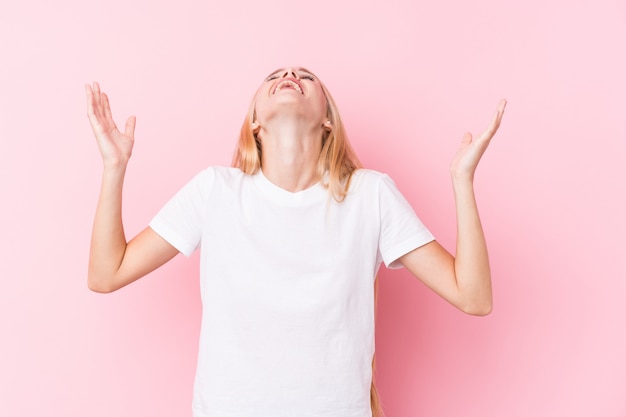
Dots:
(299, 91)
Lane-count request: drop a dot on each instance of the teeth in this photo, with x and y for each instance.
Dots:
(288, 83)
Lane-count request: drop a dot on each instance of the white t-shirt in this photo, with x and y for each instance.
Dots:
(287, 286)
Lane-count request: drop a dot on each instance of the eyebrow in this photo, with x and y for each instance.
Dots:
(299, 69)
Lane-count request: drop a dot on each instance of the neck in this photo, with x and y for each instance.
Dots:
(291, 150)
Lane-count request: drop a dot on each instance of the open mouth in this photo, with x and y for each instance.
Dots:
(285, 84)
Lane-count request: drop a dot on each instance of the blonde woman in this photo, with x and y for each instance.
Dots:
(291, 239)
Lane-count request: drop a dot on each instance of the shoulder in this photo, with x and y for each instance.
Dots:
(219, 174)
(367, 176)
(369, 179)
(212, 179)
(376, 186)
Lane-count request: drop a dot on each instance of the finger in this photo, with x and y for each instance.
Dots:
(502, 105)
(499, 112)
(129, 130)
(91, 111)
(89, 94)
(495, 121)
(467, 138)
(97, 101)
(106, 108)
(96, 94)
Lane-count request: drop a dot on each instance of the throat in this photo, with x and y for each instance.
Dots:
(291, 151)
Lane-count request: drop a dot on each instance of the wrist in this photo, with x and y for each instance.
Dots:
(462, 180)
(463, 188)
(114, 168)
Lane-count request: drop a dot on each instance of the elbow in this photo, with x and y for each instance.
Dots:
(99, 289)
(478, 308)
(99, 285)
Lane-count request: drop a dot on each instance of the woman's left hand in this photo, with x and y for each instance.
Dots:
(467, 157)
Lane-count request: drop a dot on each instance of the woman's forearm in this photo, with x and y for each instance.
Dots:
(471, 261)
(108, 241)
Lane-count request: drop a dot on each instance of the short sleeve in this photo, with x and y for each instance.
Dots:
(401, 229)
(180, 221)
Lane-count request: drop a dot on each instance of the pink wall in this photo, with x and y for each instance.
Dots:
(410, 77)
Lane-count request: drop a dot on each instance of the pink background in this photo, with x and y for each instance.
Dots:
(410, 77)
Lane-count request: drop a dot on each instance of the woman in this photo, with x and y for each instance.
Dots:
(292, 237)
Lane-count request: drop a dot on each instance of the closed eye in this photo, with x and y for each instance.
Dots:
(302, 75)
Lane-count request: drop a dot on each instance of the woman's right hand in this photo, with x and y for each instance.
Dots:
(115, 146)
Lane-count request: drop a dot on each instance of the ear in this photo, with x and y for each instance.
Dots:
(255, 127)
(328, 126)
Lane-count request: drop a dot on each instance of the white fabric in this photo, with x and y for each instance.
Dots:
(287, 284)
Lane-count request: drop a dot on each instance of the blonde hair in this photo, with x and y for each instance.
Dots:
(375, 403)
(337, 161)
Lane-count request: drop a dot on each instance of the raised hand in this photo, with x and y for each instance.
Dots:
(116, 147)
(467, 157)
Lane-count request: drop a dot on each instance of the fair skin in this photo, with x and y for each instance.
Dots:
(463, 280)
(290, 120)
(289, 123)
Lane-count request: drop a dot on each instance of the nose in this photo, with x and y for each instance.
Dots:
(290, 72)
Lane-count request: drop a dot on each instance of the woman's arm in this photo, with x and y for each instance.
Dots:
(114, 263)
(464, 280)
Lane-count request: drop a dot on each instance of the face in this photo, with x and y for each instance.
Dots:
(291, 91)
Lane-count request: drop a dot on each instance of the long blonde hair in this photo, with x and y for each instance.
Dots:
(337, 161)
(375, 403)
